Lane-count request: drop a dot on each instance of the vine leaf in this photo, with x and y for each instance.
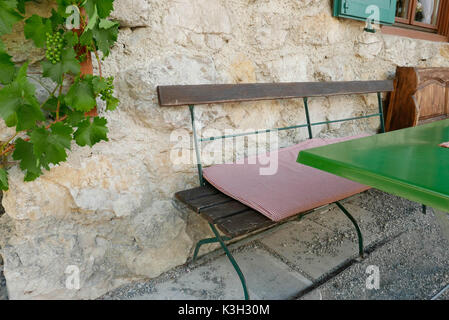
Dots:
(81, 95)
(3, 180)
(18, 97)
(68, 64)
(112, 103)
(8, 15)
(93, 18)
(36, 29)
(56, 19)
(62, 6)
(21, 5)
(7, 67)
(27, 115)
(74, 117)
(99, 84)
(50, 145)
(106, 24)
(86, 38)
(103, 7)
(71, 38)
(51, 104)
(91, 132)
(105, 36)
(29, 163)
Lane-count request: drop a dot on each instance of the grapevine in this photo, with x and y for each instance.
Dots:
(54, 45)
(44, 130)
(108, 92)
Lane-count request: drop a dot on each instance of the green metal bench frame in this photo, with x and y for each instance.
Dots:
(207, 94)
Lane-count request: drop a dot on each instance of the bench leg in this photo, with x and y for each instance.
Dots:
(203, 242)
(231, 258)
(354, 222)
(424, 209)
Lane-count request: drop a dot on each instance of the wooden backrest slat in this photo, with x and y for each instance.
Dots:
(220, 93)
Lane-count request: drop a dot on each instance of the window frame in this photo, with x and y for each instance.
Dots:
(409, 14)
(408, 27)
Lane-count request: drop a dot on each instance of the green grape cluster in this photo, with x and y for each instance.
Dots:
(54, 46)
(107, 93)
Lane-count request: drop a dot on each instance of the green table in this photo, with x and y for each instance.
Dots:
(408, 162)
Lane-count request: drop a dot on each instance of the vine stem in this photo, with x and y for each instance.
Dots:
(56, 121)
(7, 150)
(11, 148)
(52, 94)
(7, 142)
(12, 138)
(59, 101)
(98, 61)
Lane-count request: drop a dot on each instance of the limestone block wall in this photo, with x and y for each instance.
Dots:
(108, 210)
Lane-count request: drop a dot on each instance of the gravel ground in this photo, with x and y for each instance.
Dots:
(444, 295)
(413, 263)
(3, 292)
(411, 267)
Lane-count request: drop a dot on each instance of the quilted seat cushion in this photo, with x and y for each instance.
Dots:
(292, 189)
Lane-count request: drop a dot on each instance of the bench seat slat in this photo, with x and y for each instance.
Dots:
(207, 201)
(232, 217)
(223, 210)
(195, 193)
(243, 223)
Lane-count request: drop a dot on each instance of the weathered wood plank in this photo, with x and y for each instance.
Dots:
(195, 193)
(243, 223)
(204, 202)
(217, 212)
(220, 93)
(231, 216)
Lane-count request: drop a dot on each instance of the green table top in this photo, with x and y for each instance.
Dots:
(408, 162)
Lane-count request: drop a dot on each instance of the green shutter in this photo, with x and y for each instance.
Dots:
(356, 9)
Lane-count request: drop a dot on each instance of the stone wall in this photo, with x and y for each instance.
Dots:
(108, 210)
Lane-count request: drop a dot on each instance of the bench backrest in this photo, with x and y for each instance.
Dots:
(191, 95)
(221, 93)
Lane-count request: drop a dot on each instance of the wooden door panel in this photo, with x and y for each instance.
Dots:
(431, 100)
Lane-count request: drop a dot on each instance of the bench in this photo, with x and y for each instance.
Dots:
(223, 212)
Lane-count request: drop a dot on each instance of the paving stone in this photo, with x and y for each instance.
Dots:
(311, 247)
(266, 276)
(313, 295)
(443, 222)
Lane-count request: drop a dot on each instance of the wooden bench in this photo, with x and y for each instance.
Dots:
(230, 216)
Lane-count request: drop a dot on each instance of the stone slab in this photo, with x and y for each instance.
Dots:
(311, 247)
(266, 276)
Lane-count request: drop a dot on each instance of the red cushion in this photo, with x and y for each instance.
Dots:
(292, 189)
